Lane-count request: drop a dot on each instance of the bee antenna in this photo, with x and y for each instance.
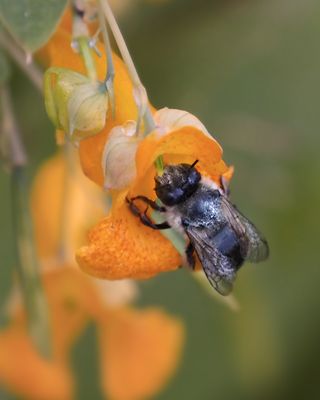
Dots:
(194, 163)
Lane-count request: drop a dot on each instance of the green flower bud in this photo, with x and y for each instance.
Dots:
(74, 103)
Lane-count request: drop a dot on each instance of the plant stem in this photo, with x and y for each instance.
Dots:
(86, 54)
(81, 42)
(174, 237)
(159, 165)
(27, 265)
(147, 114)
(19, 57)
(110, 73)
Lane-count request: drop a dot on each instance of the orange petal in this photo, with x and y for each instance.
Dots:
(140, 352)
(187, 142)
(90, 152)
(183, 145)
(58, 199)
(121, 247)
(72, 301)
(25, 373)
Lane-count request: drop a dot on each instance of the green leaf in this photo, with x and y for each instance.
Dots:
(4, 67)
(31, 22)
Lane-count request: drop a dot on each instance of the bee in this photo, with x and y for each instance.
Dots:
(216, 231)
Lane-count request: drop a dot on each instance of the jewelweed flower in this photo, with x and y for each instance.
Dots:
(71, 303)
(75, 203)
(145, 345)
(142, 345)
(134, 351)
(21, 366)
(120, 246)
(59, 53)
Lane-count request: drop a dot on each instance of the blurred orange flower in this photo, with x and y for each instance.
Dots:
(140, 348)
(142, 345)
(25, 373)
(152, 339)
(63, 203)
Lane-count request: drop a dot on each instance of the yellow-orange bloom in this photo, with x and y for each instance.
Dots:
(142, 345)
(25, 373)
(63, 203)
(72, 302)
(120, 246)
(140, 351)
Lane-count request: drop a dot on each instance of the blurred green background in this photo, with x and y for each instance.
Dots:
(250, 71)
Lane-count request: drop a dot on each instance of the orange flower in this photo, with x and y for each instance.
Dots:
(72, 302)
(61, 195)
(120, 246)
(142, 345)
(140, 350)
(74, 299)
(25, 373)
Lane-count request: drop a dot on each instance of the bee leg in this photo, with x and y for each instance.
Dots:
(150, 202)
(144, 217)
(148, 222)
(189, 255)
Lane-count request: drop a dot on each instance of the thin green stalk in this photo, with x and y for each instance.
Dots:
(81, 42)
(27, 264)
(110, 73)
(86, 54)
(20, 58)
(145, 107)
(174, 237)
(159, 165)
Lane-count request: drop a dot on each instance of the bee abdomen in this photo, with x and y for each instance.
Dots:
(227, 242)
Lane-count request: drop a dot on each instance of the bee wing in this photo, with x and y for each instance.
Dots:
(254, 246)
(217, 267)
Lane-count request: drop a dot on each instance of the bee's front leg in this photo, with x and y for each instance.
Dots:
(150, 203)
(144, 217)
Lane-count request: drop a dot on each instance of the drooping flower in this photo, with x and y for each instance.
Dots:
(120, 246)
(142, 345)
(136, 338)
(53, 380)
(59, 53)
(63, 203)
(75, 299)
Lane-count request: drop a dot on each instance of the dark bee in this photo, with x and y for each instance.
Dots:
(219, 234)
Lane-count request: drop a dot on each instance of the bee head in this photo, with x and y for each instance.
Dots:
(177, 183)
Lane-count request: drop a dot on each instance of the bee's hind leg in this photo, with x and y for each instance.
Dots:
(144, 217)
(189, 256)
